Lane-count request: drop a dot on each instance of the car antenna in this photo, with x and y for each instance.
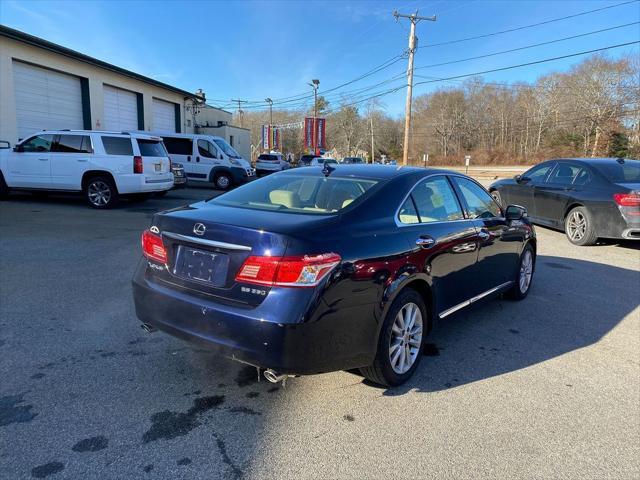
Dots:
(327, 169)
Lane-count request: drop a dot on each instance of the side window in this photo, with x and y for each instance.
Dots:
(583, 177)
(179, 146)
(73, 144)
(564, 173)
(407, 213)
(206, 149)
(117, 145)
(479, 202)
(537, 174)
(435, 201)
(39, 143)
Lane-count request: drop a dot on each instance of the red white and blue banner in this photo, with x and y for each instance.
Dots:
(271, 137)
(314, 133)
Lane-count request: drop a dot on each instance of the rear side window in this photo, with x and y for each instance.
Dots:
(178, 146)
(117, 145)
(73, 144)
(564, 173)
(40, 143)
(435, 201)
(151, 148)
(407, 213)
(583, 178)
(298, 194)
(479, 202)
(538, 173)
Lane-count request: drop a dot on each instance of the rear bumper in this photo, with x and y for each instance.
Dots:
(140, 183)
(631, 233)
(292, 331)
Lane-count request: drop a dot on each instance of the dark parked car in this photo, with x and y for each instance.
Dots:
(588, 198)
(353, 160)
(305, 160)
(316, 270)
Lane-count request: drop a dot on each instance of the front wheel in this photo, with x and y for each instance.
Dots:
(524, 275)
(400, 344)
(101, 193)
(223, 181)
(579, 228)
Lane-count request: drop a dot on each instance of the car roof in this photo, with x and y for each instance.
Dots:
(143, 136)
(594, 161)
(374, 171)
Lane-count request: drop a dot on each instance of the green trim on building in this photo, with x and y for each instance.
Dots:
(178, 118)
(86, 103)
(140, 106)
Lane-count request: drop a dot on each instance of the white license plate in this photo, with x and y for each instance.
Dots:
(158, 167)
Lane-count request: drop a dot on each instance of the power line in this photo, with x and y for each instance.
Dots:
(523, 27)
(526, 46)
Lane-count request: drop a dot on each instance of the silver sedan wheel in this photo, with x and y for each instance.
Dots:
(576, 226)
(406, 338)
(526, 271)
(99, 193)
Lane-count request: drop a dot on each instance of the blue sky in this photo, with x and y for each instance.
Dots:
(257, 49)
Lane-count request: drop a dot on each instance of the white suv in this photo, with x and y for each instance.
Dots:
(271, 162)
(102, 165)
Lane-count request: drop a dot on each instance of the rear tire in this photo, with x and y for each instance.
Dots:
(4, 189)
(401, 337)
(524, 274)
(223, 181)
(101, 193)
(578, 226)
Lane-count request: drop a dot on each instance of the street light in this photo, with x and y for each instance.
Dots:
(270, 102)
(314, 84)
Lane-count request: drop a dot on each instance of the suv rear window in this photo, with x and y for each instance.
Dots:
(151, 148)
(267, 157)
(298, 194)
(117, 145)
(620, 172)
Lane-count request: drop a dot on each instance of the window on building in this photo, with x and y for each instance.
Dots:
(231, 140)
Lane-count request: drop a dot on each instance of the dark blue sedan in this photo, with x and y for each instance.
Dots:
(314, 270)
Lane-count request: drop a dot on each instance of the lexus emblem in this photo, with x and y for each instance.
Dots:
(199, 229)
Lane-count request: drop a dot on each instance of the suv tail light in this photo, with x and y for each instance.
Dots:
(627, 199)
(137, 164)
(152, 247)
(298, 271)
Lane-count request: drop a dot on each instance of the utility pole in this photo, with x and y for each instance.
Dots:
(314, 84)
(414, 19)
(240, 112)
(270, 102)
(372, 144)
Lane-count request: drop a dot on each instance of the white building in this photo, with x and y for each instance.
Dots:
(44, 86)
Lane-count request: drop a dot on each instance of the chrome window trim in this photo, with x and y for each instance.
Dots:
(468, 302)
(208, 243)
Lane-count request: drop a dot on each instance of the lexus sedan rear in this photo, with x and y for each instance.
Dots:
(315, 270)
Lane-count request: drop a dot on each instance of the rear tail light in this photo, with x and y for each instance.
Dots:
(627, 199)
(298, 271)
(152, 247)
(137, 164)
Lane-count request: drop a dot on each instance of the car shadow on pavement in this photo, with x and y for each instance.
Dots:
(572, 304)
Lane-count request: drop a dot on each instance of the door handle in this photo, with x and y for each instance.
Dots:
(484, 234)
(570, 189)
(43, 159)
(425, 242)
(83, 160)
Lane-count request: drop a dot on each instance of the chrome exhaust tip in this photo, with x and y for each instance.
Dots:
(274, 377)
(148, 328)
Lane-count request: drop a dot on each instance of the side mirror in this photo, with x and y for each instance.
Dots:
(515, 212)
(521, 179)
(18, 148)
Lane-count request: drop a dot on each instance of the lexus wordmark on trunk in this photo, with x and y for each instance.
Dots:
(331, 268)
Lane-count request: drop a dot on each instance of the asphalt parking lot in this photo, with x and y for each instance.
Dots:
(545, 388)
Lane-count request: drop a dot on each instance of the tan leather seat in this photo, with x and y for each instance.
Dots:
(285, 198)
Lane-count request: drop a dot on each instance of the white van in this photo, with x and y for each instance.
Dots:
(208, 159)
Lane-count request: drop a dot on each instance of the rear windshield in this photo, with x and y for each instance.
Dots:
(620, 172)
(117, 145)
(151, 148)
(298, 194)
(267, 157)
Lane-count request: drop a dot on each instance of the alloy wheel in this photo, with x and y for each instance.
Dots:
(406, 338)
(576, 226)
(99, 193)
(526, 271)
(223, 182)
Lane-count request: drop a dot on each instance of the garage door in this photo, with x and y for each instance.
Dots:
(46, 100)
(120, 109)
(164, 116)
